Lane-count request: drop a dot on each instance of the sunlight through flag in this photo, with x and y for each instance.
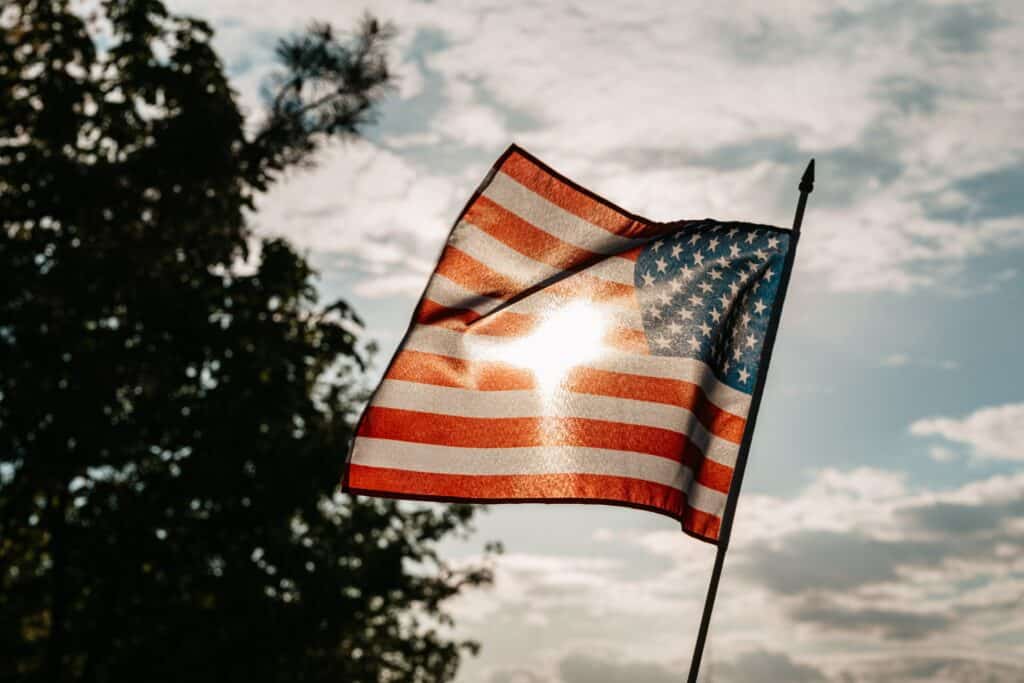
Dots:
(565, 350)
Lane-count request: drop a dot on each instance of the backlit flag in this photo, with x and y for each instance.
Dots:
(565, 350)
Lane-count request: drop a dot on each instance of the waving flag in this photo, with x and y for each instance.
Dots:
(565, 350)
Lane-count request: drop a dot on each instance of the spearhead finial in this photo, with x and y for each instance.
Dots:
(807, 181)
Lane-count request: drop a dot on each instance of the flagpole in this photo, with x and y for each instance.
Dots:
(806, 187)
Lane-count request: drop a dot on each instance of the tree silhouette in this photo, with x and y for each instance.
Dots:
(172, 426)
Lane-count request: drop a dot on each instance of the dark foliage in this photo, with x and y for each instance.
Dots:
(172, 426)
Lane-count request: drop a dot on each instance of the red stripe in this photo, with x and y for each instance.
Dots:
(534, 178)
(659, 390)
(627, 339)
(528, 432)
(429, 368)
(581, 204)
(443, 371)
(472, 275)
(527, 239)
(464, 270)
(534, 488)
(504, 323)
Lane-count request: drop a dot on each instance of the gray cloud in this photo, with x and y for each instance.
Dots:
(823, 560)
(516, 676)
(845, 174)
(909, 95)
(889, 623)
(960, 519)
(945, 669)
(962, 29)
(581, 668)
(992, 194)
(767, 667)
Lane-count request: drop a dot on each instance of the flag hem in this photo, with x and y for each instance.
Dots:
(667, 225)
(611, 502)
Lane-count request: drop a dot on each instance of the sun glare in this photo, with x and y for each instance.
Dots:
(567, 336)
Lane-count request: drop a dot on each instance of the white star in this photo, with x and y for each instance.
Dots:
(662, 265)
(656, 313)
(663, 341)
(734, 250)
(761, 255)
(686, 314)
(694, 342)
(715, 274)
(725, 301)
(726, 366)
(750, 341)
(745, 318)
(705, 329)
(676, 250)
(695, 238)
(744, 375)
(734, 288)
(675, 285)
(648, 279)
(737, 353)
(674, 328)
(713, 243)
(773, 242)
(722, 261)
(759, 307)
(769, 274)
(656, 246)
(716, 315)
(664, 297)
(685, 272)
(751, 236)
(705, 287)
(732, 231)
(698, 258)
(695, 300)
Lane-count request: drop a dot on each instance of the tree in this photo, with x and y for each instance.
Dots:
(172, 426)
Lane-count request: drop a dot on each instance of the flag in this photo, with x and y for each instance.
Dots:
(565, 350)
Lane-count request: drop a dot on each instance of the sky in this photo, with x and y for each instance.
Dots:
(880, 533)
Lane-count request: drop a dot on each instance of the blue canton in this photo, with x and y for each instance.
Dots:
(708, 291)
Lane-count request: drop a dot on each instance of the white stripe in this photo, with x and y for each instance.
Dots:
(447, 293)
(428, 398)
(500, 257)
(509, 261)
(614, 269)
(418, 457)
(553, 219)
(441, 341)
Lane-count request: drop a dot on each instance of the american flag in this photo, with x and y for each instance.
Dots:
(565, 350)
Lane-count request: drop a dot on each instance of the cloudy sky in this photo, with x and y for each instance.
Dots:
(880, 536)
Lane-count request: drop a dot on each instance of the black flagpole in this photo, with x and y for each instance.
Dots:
(806, 187)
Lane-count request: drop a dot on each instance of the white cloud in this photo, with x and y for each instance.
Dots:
(996, 432)
(899, 101)
(856, 570)
(942, 454)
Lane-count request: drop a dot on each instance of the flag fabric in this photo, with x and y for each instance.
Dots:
(565, 350)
